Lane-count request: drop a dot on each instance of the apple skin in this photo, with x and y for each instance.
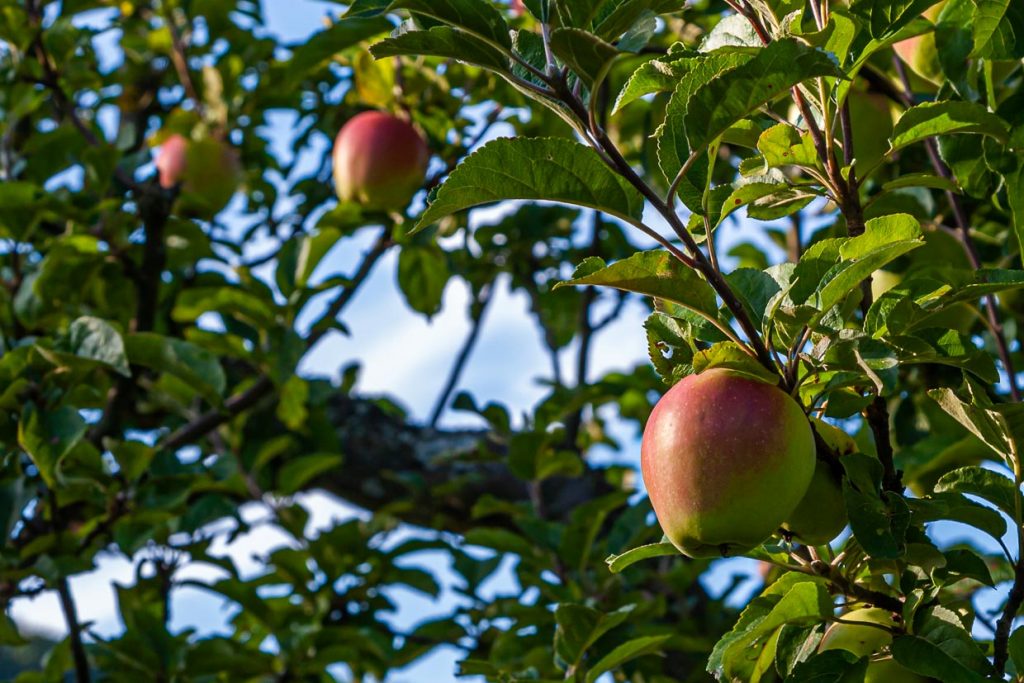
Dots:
(379, 161)
(725, 460)
(207, 169)
(821, 514)
(170, 160)
(868, 640)
(920, 52)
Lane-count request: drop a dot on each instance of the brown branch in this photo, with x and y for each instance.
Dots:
(78, 655)
(263, 386)
(966, 241)
(479, 310)
(1000, 645)
(699, 261)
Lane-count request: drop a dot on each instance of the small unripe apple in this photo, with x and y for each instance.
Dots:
(920, 52)
(379, 161)
(821, 514)
(207, 169)
(865, 641)
(726, 460)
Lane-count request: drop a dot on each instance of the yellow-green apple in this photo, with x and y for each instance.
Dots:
(869, 640)
(725, 460)
(821, 514)
(207, 169)
(920, 52)
(379, 161)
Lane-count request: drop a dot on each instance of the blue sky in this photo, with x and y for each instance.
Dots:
(409, 358)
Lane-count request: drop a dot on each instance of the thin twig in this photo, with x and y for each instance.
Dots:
(479, 310)
(78, 655)
(966, 241)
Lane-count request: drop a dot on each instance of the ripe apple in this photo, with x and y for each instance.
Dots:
(379, 161)
(208, 170)
(821, 514)
(725, 460)
(864, 641)
(170, 160)
(920, 52)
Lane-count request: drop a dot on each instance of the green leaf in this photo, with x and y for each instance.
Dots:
(986, 484)
(886, 17)
(442, 41)
(930, 659)
(626, 652)
(48, 436)
(477, 17)
(587, 55)
(97, 340)
(325, 44)
(800, 600)
(737, 93)
(946, 118)
(756, 290)
(549, 169)
(626, 14)
(423, 274)
(193, 365)
(922, 180)
(291, 404)
(1015, 197)
(295, 474)
(653, 273)
(656, 76)
(673, 145)
(831, 666)
(579, 627)
(730, 356)
(783, 145)
(616, 563)
(885, 239)
(957, 507)
(986, 424)
(988, 14)
(879, 523)
(1016, 648)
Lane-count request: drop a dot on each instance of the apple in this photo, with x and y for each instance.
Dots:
(207, 170)
(726, 460)
(865, 641)
(170, 160)
(379, 161)
(821, 514)
(920, 52)
(518, 8)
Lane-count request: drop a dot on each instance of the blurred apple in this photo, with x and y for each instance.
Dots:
(379, 161)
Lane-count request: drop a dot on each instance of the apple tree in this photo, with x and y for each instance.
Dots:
(819, 204)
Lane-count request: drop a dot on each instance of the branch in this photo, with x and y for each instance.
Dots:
(440, 475)
(67, 605)
(699, 260)
(966, 241)
(480, 306)
(263, 386)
